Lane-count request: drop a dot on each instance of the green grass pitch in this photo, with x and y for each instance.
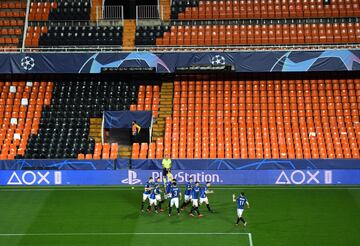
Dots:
(76, 216)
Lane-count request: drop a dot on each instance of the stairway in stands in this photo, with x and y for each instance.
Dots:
(124, 151)
(129, 34)
(95, 129)
(165, 110)
(166, 5)
(95, 5)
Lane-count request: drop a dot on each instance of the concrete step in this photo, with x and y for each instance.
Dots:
(97, 139)
(166, 107)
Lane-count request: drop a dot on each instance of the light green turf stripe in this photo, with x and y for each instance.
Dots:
(23, 189)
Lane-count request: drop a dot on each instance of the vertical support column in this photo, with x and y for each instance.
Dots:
(26, 24)
(137, 15)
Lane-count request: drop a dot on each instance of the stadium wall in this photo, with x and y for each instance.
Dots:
(170, 62)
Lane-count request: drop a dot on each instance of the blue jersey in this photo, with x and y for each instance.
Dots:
(188, 188)
(147, 185)
(168, 187)
(240, 202)
(203, 191)
(154, 192)
(195, 192)
(175, 192)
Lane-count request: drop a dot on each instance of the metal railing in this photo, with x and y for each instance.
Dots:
(110, 13)
(164, 49)
(149, 12)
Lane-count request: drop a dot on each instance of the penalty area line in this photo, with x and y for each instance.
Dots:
(250, 239)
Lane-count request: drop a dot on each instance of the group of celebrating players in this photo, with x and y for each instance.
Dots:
(195, 194)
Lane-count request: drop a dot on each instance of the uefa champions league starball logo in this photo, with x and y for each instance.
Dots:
(218, 60)
(27, 63)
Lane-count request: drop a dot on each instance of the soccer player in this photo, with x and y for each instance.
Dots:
(203, 195)
(147, 192)
(175, 195)
(187, 197)
(195, 193)
(240, 203)
(158, 195)
(168, 187)
(152, 198)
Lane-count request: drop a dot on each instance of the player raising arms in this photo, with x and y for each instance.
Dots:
(159, 201)
(152, 198)
(240, 203)
(203, 195)
(175, 195)
(147, 192)
(187, 197)
(195, 193)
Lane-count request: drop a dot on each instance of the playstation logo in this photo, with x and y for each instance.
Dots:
(132, 178)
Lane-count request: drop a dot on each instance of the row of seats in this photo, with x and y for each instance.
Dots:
(262, 119)
(11, 23)
(102, 151)
(13, 5)
(256, 9)
(11, 41)
(11, 31)
(146, 35)
(262, 34)
(12, 14)
(60, 10)
(69, 35)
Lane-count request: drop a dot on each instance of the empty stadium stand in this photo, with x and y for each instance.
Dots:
(316, 118)
(255, 23)
(261, 119)
(65, 122)
(21, 107)
(12, 17)
(329, 31)
(67, 23)
(263, 9)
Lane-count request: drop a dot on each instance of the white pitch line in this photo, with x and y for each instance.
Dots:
(214, 188)
(121, 233)
(250, 239)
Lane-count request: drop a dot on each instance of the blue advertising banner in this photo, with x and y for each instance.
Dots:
(261, 61)
(245, 164)
(123, 119)
(217, 177)
(57, 164)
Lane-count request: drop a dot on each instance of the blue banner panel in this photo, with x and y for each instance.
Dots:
(247, 164)
(123, 119)
(57, 164)
(261, 61)
(217, 177)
